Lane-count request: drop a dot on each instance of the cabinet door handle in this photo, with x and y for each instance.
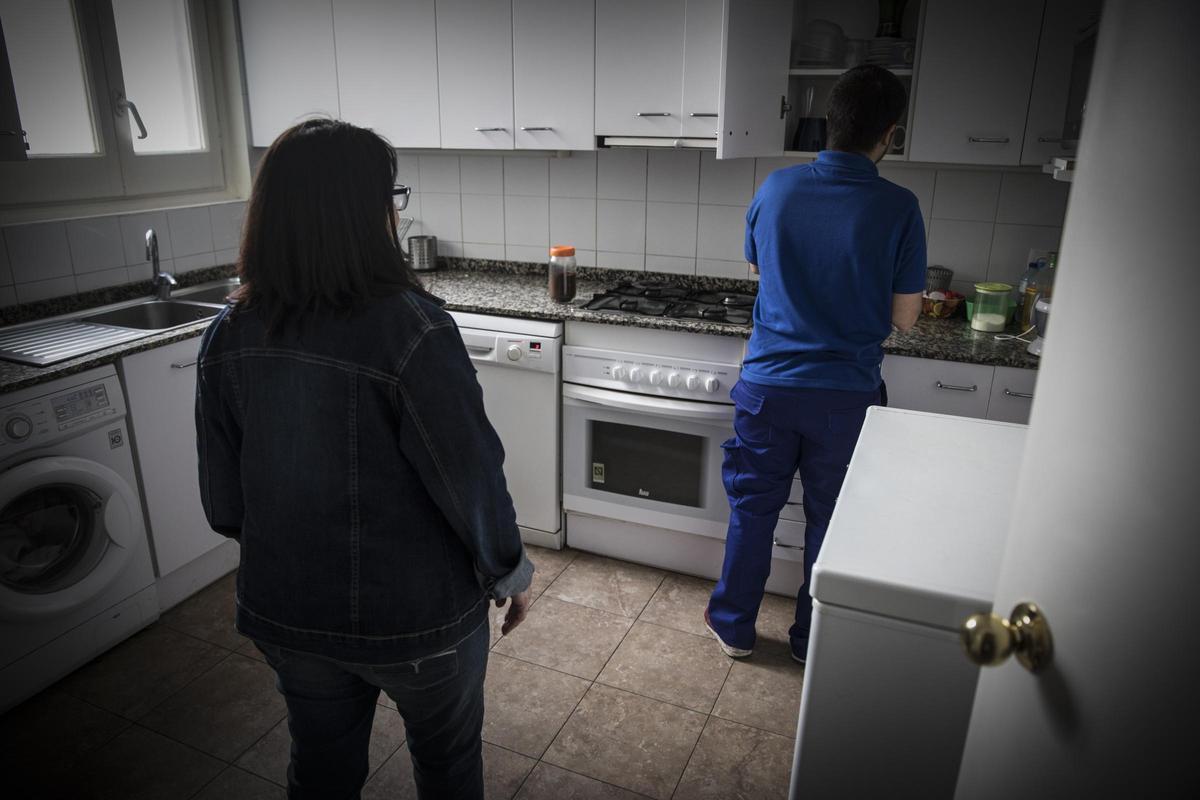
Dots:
(1049, 139)
(184, 364)
(788, 546)
(953, 388)
(490, 130)
(543, 128)
(653, 114)
(988, 139)
(1022, 395)
(703, 114)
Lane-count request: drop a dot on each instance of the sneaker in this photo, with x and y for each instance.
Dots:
(800, 657)
(727, 649)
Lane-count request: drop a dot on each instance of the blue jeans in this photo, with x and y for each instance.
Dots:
(778, 432)
(331, 705)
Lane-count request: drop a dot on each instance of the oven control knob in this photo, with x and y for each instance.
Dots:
(692, 383)
(619, 373)
(711, 385)
(656, 377)
(18, 428)
(636, 375)
(673, 380)
(515, 352)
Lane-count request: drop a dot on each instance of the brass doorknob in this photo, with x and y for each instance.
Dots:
(990, 639)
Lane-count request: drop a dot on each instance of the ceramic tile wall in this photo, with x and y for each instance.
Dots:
(683, 211)
(42, 260)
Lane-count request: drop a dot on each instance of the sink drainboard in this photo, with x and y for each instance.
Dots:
(40, 345)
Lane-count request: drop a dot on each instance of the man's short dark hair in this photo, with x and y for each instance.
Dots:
(864, 103)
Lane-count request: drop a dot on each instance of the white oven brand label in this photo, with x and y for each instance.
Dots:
(643, 493)
(597, 472)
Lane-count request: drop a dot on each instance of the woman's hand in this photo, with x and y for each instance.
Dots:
(516, 611)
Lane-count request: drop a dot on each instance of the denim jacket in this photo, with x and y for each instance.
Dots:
(352, 459)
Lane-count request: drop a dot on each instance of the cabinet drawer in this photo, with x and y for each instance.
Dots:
(943, 387)
(789, 540)
(1012, 394)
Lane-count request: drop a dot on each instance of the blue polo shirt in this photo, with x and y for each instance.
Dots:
(833, 241)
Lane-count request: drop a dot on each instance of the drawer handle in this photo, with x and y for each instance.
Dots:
(989, 139)
(184, 364)
(1049, 139)
(703, 114)
(953, 388)
(1022, 395)
(490, 130)
(543, 128)
(788, 546)
(653, 114)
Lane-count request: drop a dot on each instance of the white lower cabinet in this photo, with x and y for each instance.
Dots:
(943, 387)
(1012, 394)
(160, 388)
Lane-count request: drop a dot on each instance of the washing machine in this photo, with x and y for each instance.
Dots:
(76, 575)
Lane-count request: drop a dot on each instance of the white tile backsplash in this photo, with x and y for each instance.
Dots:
(441, 215)
(573, 222)
(482, 174)
(1032, 199)
(523, 252)
(191, 231)
(527, 220)
(966, 195)
(95, 244)
(621, 174)
(227, 221)
(183, 264)
(133, 235)
(722, 233)
(478, 250)
(527, 175)
(673, 176)
(621, 226)
(408, 171)
(6, 276)
(483, 219)
(573, 175)
(671, 229)
(102, 279)
(44, 290)
(962, 246)
(728, 181)
(629, 261)
(439, 174)
(8, 296)
(38, 252)
(721, 269)
(672, 264)
(229, 256)
(1010, 249)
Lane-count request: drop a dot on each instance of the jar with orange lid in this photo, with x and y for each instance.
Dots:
(562, 273)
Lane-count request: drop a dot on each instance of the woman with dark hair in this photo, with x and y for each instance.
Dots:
(342, 440)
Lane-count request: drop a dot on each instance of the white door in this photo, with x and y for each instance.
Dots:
(976, 69)
(289, 61)
(475, 74)
(554, 74)
(702, 67)
(754, 78)
(1104, 537)
(160, 387)
(1061, 25)
(639, 67)
(387, 68)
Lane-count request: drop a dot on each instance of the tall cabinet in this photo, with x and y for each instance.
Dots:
(475, 73)
(554, 74)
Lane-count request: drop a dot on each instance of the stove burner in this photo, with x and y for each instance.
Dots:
(663, 299)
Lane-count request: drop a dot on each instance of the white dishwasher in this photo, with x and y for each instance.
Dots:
(519, 366)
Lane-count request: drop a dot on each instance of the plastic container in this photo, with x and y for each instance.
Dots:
(991, 309)
(937, 279)
(561, 274)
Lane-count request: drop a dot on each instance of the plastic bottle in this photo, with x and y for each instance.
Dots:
(1027, 291)
(562, 273)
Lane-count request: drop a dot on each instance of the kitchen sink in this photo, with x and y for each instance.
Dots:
(212, 294)
(155, 315)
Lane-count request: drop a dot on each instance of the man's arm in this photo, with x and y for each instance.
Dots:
(905, 310)
(754, 268)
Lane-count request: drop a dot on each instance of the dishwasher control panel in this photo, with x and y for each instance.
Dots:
(539, 354)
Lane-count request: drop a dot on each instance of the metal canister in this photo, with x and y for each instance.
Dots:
(422, 252)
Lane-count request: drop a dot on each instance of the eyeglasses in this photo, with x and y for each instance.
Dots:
(400, 194)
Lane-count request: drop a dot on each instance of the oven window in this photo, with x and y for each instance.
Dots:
(646, 462)
(49, 538)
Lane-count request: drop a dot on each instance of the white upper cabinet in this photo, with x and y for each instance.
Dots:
(475, 73)
(1061, 26)
(702, 67)
(289, 60)
(974, 79)
(755, 50)
(639, 67)
(387, 68)
(554, 74)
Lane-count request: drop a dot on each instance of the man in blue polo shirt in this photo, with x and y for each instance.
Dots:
(841, 257)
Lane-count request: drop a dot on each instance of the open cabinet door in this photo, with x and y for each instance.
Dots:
(756, 41)
(12, 137)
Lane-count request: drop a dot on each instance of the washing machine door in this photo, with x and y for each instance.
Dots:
(68, 529)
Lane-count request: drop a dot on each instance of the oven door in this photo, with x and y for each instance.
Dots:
(647, 460)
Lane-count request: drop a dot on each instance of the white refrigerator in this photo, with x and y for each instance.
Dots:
(913, 549)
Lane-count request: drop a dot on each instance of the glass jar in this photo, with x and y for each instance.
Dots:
(562, 274)
(991, 307)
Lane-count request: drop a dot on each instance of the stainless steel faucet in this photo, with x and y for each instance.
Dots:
(163, 281)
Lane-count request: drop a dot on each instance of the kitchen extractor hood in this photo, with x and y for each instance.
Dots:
(669, 142)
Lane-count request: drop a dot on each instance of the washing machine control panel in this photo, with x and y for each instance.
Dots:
(43, 420)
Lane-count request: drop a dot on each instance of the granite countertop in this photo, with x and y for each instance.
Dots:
(514, 290)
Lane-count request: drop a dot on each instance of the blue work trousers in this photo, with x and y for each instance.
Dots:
(777, 433)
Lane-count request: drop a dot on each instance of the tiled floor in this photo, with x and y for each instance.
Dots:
(611, 688)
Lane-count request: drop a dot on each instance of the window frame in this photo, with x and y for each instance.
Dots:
(116, 172)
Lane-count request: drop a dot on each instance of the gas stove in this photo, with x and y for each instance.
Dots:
(663, 299)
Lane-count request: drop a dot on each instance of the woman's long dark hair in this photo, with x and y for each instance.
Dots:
(320, 231)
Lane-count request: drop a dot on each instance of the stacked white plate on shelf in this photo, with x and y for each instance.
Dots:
(888, 51)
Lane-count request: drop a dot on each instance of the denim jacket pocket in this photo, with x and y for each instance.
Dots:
(422, 673)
